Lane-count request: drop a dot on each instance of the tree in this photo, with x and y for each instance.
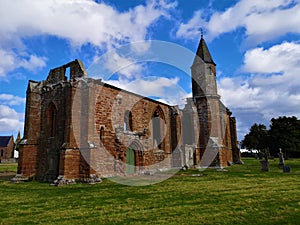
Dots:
(257, 138)
(285, 134)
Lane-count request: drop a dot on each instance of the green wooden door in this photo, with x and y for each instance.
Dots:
(130, 161)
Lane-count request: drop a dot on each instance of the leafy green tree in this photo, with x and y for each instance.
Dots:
(257, 138)
(285, 134)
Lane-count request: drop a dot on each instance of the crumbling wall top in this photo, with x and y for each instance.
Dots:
(58, 74)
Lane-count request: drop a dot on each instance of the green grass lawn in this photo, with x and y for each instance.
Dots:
(240, 195)
(9, 167)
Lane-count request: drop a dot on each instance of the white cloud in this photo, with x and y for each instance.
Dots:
(276, 68)
(124, 66)
(11, 100)
(155, 86)
(274, 22)
(81, 21)
(271, 90)
(277, 59)
(257, 104)
(10, 120)
(192, 28)
(262, 20)
(166, 90)
(11, 61)
(7, 62)
(34, 62)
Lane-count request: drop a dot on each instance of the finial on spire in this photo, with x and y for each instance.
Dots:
(202, 50)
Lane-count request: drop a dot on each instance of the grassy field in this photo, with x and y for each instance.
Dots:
(10, 167)
(241, 195)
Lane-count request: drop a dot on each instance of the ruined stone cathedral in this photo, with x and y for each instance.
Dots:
(77, 127)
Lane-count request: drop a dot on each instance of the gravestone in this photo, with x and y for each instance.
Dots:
(286, 169)
(264, 165)
(281, 159)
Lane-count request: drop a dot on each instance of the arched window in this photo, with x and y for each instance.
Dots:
(127, 121)
(101, 136)
(158, 126)
(52, 119)
(156, 130)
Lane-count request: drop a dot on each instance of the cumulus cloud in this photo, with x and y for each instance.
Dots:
(192, 28)
(166, 90)
(259, 103)
(123, 65)
(276, 67)
(277, 59)
(10, 120)
(79, 21)
(262, 20)
(271, 89)
(11, 61)
(8, 99)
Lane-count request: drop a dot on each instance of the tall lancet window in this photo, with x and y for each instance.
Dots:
(158, 128)
(52, 119)
(127, 121)
(101, 136)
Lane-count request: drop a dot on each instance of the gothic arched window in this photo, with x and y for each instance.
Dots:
(52, 119)
(158, 128)
(127, 121)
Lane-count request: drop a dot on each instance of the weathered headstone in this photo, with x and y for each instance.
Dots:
(286, 169)
(281, 159)
(264, 165)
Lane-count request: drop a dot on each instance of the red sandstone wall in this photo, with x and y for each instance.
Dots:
(82, 110)
(28, 150)
(27, 160)
(110, 107)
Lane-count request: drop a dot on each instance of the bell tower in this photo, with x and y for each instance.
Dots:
(203, 73)
(207, 102)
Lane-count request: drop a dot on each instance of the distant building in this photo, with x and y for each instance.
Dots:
(7, 146)
(78, 127)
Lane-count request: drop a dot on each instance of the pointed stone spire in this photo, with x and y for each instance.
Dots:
(18, 138)
(203, 52)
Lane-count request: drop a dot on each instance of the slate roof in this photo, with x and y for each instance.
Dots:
(203, 52)
(4, 140)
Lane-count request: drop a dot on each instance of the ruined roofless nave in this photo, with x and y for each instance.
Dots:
(78, 127)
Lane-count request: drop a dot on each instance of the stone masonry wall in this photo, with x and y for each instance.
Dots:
(110, 107)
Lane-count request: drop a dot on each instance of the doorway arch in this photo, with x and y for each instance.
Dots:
(158, 128)
(134, 157)
(130, 161)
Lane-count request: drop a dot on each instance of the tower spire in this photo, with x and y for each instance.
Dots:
(203, 72)
(203, 52)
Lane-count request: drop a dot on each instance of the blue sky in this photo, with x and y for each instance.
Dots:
(254, 43)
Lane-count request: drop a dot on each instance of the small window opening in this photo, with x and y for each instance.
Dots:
(127, 121)
(53, 122)
(68, 73)
(101, 136)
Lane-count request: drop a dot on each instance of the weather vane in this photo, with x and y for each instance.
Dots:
(201, 32)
